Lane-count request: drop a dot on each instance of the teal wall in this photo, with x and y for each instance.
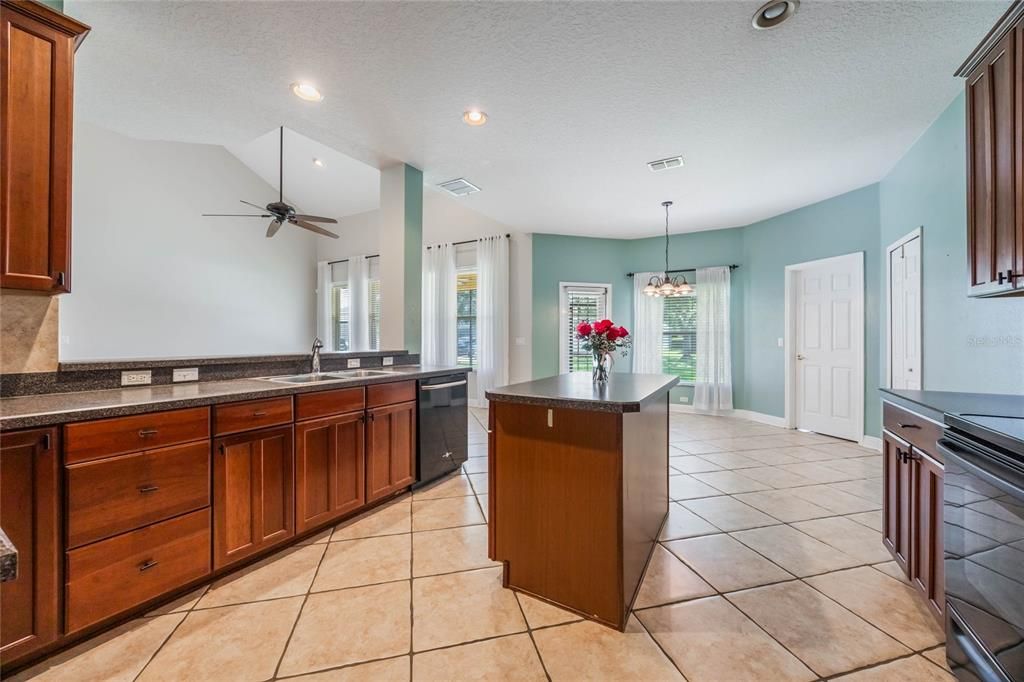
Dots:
(413, 257)
(974, 345)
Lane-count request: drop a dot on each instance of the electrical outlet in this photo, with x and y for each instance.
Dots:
(139, 377)
(353, 363)
(782, 342)
(684, 398)
(388, 361)
(186, 374)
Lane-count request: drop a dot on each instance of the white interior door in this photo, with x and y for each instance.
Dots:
(905, 314)
(828, 300)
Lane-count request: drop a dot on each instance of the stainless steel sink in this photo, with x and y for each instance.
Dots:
(327, 377)
(363, 373)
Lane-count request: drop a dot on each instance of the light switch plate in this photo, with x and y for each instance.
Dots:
(185, 374)
(353, 363)
(388, 361)
(781, 342)
(139, 377)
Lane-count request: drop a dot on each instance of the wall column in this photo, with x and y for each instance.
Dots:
(401, 255)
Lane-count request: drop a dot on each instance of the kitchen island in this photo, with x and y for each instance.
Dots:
(578, 480)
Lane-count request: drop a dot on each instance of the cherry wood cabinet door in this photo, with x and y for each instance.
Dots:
(926, 555)
(390, 449)
(329, 469)
(896, 500)
(37, 48)
(30, 515)
(253, 493)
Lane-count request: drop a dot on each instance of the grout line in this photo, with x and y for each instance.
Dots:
(163, 643)
(529, 631)
(298, 615)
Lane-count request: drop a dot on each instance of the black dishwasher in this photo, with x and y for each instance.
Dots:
(443, 426)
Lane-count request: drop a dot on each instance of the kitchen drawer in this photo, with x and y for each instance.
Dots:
(913, 428)
(86, 441)
(389, 394)
(327, 403)
(109, 577)
(119, 494)
(255, 414)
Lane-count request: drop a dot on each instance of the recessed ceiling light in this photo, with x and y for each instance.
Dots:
(319, 163)
(474, 117)
(306, 91)
(774, 12)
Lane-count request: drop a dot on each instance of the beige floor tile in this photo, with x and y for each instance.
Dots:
(691, 464)
(825, 636)
(445, 513)
(915, 668)
(451, 486)
(482, 500)
(817, 472)
(848, 536)
(871, 519)
(836, 501)
(683, 523)
(505, 658)
(868, 488)
(461, 607)
(732, 460)
(782, 505)
(685, 487)
(286, 574)
(731, 481)
(364, 562)
(669, 580)
(773, 456)
(115, 656)
(183, 603)
(937, 656)
(317, 538)
(349, 626)
(773, 477)
(726, 563)
(889, 604)
(797, 552)
(388, 670)
(540, 614)
(477, 445)
(453, 549)
(710, 640)
(242, 642)
(389, 519)
(696, 447)
(728, 513)
(892, 569)
(479, 482)
(588, 651)
(476, 465)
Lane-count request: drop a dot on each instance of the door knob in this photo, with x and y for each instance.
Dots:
(800, 356)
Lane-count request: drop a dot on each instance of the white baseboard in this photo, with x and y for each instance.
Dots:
(758, 417)
(872, 442)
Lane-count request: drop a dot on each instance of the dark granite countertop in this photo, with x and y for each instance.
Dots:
(60, 408)
(622, 393)
(146, 363)
(937, 404)
(8, 558)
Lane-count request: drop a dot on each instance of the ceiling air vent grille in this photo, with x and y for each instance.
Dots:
(665, 164)
(460, 187)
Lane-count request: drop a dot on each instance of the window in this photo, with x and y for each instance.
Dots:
(341, 305)
(679, 338)
(374, 314)
(340, 308)
(579, 302)
(465, 320)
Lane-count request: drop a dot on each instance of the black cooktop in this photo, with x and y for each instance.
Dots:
(1004, 432)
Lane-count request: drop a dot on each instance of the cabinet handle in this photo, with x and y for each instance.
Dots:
(60, 278)
(907, 426)
(146, 433)
(147, 564)
(259, 413)
(220, 448)
(370, 416)
(46, 441)
(144, 489)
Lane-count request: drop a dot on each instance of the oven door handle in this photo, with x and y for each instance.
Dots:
(978, 658)
(989, 470)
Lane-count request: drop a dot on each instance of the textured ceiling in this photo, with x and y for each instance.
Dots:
(580, 95)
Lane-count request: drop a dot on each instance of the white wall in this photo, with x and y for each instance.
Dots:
(152, 278)
(446, 218)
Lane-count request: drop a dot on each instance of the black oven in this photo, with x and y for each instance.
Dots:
(983, 512)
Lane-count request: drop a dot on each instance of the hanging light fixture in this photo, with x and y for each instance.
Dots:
(667, 286)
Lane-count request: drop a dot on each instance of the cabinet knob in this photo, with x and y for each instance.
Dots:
(147, 564)
(144, 489)
(146, 433)
(907, 426)
(259, 413)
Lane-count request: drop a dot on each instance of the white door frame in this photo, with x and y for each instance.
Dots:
(856, 258)
(563, 342)
(915, 234)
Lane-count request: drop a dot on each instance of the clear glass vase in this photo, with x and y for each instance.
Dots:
(603, 361)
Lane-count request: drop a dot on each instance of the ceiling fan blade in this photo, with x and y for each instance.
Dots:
(239, 215)
(249, 203)
(314, 218)
(273, 227)
(313, 228)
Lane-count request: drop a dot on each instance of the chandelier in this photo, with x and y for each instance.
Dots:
(667, 286)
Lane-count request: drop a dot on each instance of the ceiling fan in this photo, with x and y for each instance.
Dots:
(281, 212)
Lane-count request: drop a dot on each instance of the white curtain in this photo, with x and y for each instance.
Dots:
(491, 315)
(439, 306)
(713, 388)
(323, 304)
(359, 297)
(648, 322)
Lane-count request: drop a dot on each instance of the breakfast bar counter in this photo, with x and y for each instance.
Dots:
(578, 480)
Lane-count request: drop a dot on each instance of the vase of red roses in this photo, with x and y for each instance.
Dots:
(602, 339)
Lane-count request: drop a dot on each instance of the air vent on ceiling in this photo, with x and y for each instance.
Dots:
(460, 187)
(665, 164)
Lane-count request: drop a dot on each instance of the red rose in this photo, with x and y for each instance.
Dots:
(603, 326)
(613, 334)
(623, 332)
(584, 329)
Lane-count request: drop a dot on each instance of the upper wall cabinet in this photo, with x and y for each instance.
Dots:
(36, 80)
(995, 159)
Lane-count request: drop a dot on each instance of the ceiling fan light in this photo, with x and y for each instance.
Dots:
(650, 289)
(306, 91)
(666, 289)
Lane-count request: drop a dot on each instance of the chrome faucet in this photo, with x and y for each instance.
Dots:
(315, 360)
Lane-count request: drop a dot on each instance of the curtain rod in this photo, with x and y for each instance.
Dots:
(669, 272)
(345, 260)
(470, 241)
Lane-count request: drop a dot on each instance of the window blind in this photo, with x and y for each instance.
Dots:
(374, 313)
(465, 320)
(679, 338)
(582, 304)
(340, 310)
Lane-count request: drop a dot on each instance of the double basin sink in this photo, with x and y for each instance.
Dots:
(326, 377)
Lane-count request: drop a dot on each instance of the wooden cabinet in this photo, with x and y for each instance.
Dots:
(896, 499)
(926, 557)
(30, 515)
(390, 449)
(995, 159)
(37, 51)
(329, 469)
(253, 493)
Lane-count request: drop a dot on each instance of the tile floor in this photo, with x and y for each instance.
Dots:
(770, 567)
